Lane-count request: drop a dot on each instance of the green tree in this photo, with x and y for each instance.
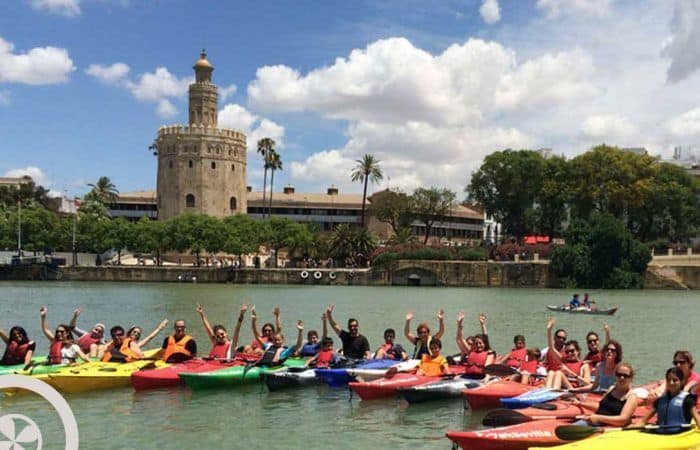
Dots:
(551, 199)
(394, 208)
(403, 236)
(279, 233)
(365, 170)
(507, 185)
(432, 205)
(196, 232)
(363, 243)
(28, 193)
(39, 226)
(274, 163)
(119, 236)
(265, 147)
(152, 236)
(104, 191)
(342, 241)
(241, 235)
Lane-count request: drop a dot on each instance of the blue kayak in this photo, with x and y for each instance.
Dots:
(342, 376)
(533, 397)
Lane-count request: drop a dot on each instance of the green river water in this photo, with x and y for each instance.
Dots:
(650, 325)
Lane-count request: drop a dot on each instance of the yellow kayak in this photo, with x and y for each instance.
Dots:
(97, 375)
(635, 440)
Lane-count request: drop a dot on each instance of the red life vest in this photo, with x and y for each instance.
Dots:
(256, 344)
(15, 353)
(575, 367)
(55, 352)
(220, 351)
(122, 354)
(324, 359)
(552, 362)
(594, 359)
(476, 362)
(516, 358)
(86, 341)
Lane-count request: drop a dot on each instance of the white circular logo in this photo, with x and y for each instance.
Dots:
(20, 432)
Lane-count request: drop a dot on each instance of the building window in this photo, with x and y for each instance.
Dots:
(170, 164)
(232, 204)
(189, 201)
(233, 168)
(213, 165)
(190, 163)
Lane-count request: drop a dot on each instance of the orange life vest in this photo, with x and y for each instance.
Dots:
(432, 366)
(122, 354)
(177, 347)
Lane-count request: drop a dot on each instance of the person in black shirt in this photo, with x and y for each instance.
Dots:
(355, 345)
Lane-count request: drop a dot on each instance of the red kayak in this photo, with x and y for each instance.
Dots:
(386, 387)
(490, 395)
(515, 437)
(169, 376)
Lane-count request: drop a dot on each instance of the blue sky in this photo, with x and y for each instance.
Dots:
(430, 88)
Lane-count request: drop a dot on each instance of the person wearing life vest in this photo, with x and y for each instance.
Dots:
(19, 348)
(676, 407)
(572, 372)
(261, 341)
(595, 355)
(389, 349)
(326, 357)
(122, 349)
(179, 346)
(91, 342)
(479, 345)
(551, 362)
(222, 347)
(277, 353)
(517, 356)
(421, 342)
(313, 345)
(62, 347)
(135, 332)
(433, 364)
(530, 367)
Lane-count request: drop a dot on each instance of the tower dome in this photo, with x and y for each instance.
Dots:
(203, 68)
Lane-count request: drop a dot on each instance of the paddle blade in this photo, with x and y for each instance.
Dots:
(391, 372)
(576, 432)
(500, 370)
(545, 406)
(504, 417)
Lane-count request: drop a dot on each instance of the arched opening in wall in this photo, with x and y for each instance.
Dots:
(233, 167)
(189, 201)
(233, 204)
(170, 164)
(213, 165)
(190, 163)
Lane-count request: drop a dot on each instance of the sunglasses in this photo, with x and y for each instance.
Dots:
(592, 341)
(570, 351)
(611, 350)
(679, 361)
(561, 337)
(118, 334)
(60, 331)
(180, 328)
(221, 335)
(623, 375)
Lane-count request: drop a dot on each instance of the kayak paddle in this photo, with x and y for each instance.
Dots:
(504, 417)
(577, 432)
(500, 370)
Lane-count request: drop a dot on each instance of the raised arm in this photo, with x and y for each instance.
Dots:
(278, 319)
(237, 331)
(407, 329)
(334, 325)
(482, 324)
(324, 321)
(606, 327)
(254, 323)
(550, 339)
(44, 327)
(4, 336)
(153, 334)
(74, 318)
(300, 337)
(207, 325)
(441, 324)
(461, 344)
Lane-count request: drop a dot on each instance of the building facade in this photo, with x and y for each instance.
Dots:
(201, 168)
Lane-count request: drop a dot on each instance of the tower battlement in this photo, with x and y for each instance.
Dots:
(200, 129)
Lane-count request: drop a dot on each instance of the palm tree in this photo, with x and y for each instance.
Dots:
(367, 168)
(265, 147)
(104, 191)
(274, 163)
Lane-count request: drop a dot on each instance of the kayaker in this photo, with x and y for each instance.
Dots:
(122, 349)
(675, 407)
(221, 345)
(19, 349)
(477, 356)
(572, 368)
(595, 355)
(531, 367)
(355, 345)
(574, 303)
(135, 332)
(326, 357)
(586, 301)
(684, 360)
(179, 346)
(550, 361)
(422, 341)
(617, 407)
(517, 356)
(313, 344)
(605, 370)
(277, 352)
(62, 346)
(91, 342)
(433, 364)
(389, 349)
(260, 341)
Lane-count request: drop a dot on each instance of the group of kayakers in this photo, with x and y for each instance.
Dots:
(559, 365)
(587, 302)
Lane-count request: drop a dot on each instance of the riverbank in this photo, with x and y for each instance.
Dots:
(531, 274)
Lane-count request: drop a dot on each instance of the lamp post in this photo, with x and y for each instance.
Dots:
(19, 228)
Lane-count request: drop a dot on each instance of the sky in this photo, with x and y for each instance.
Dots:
(428, 88)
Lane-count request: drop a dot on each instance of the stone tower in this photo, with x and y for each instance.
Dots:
(201, 168)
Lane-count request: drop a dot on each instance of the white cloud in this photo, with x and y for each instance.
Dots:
(160, 84)
(609, 128)
(166, 109)
(236, 117)
(68, 8)
(490, 11)
(226, 92)
(5, 98)
(40, 65)
(685, 125)
(114, 74)
(556, 8)
(39, 177)
(682, 48)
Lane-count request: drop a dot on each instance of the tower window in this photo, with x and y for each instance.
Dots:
(233, 167)
(213, 165)
(170, 164)
(189, 201)
(232, 204)
(190, 163)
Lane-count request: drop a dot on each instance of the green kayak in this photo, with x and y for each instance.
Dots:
(17, 368)
(232, 376)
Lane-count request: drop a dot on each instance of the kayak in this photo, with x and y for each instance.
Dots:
(167, 377)
(532, 397)
(583, 310)
(637, 440)
(490, 395)
(286, 378)
(386, 387)
(559, 409)
(367, 370)
(96, 375)
(233, 376)
(515, 437)
(438, 390)
(17, 368)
